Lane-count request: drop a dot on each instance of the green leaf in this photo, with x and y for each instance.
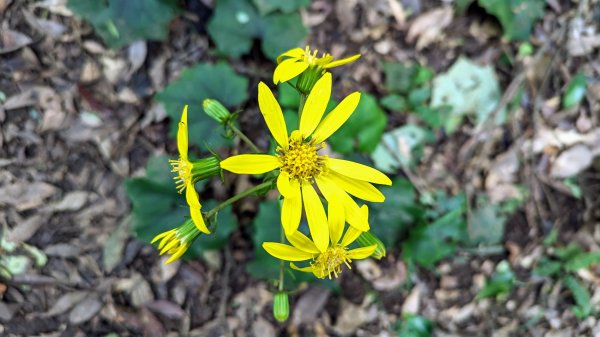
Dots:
(582, 297)
(501, 282)
(419, 96)
(122, 22)
(391, 220)
(363, 130)
(400, 147)
(217, 81)
(415, 326)
(469, 89)
(394, 103)
(281, 32)
(428, 244)
(516, 16)
(399, 77)
(568, 252)
(582, 260)
(575, 91)
(288, 97)
(236, 23)
(547, 268)
(486, 224)
(288, 6)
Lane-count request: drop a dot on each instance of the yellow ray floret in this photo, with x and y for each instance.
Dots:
(301, 165)
(322, 262)
(176, 242)
(295, 61)
(184, 179)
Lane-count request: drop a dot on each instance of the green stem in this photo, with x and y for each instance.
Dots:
(281, 264)
(237, 197)
(243, 137)
(301, 105)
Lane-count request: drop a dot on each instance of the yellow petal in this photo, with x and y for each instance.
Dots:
(302, 242)
(192, 199)
(291, 212)
(251, 163)
(295, 53)
(288, 69)
(355, 216)
(337, 117)
(333, 192)
(358, 171)
(286, 252)
(182, 135)
(271, 111)
(342, 61)
(336, 218)
(358, 188)
(315, 216)
(284, 184)
(361, 253)
(308, 269)
(350, 236)
(178, 253)
(315, 105)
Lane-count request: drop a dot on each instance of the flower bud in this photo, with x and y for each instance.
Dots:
(367, 239)
(281, 306)
(309, 78)
(205, 168)
(216, 110)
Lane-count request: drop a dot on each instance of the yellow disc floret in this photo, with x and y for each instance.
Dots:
(301, 160)
(183, 169)
(330, 261)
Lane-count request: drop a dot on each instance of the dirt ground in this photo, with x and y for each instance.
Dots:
(62, 171)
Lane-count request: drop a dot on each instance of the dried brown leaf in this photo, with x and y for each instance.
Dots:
(11, 40)
(65, 302)
(25, 195)
(429, 26)
(85, 310)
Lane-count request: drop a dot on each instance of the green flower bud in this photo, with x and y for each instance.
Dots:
(205, 168)
(216, 111)
(367, 239)
(309, 78)
(281, 306)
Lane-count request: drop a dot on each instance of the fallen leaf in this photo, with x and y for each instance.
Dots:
(11, 40)
(136, 54)
(47, 27)
(167, 309)
(429, 26)
(571, 161)
(65, 302)
(412, 302)
(85, 310)
(24, 195)
(112, 250)
(72, 201)
(352, 316)
(262, 328)
(63, 250)
(309, 305)
(25, 229)
(28, 97)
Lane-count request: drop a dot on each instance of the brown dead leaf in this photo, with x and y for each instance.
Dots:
(309, 305)
(25, 195)
(25, 229)
(412, 302)
(582, 39)
(352, 316)
(85, 310)
(136, 55)
(27, 97)
(571, 161)
(11, 40)
(65, 302)
(500, 181)
(429, 26)
(72, 201)
(4, 5)
(47, 27)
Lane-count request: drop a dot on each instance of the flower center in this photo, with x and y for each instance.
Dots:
(331, 261)
(312, 58)
(301, 160)
(183, 168)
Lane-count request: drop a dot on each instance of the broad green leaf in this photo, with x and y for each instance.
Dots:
(400, 147)
(281, 32)
(582, 297)
(575, 91)
(392, 219)
(218, 81)
(501, 282)
(394, 102)
(428, 244)
(236, 23)
(582, 260)
(399, 77)
(469, 89)
(567, 252)
(363, 130)
(516, 16)
(415, 326)
(288, 6)
(122, 22)
(233, 26)
(486, 224)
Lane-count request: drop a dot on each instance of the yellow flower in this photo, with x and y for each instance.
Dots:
(184, 179)
(327, 262)
(301, 165)
(177, 241)
(295, 61)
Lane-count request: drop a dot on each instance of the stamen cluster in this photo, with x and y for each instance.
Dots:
(301, 160)
(330, 261)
